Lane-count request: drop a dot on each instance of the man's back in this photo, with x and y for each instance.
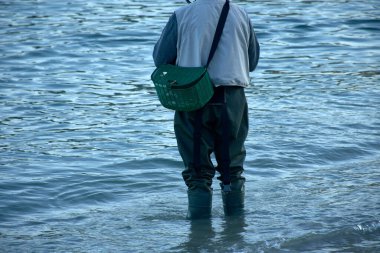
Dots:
(196, 27)
(188, 36)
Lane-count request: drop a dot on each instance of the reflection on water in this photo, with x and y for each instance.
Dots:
(203, 236)
(200, 237)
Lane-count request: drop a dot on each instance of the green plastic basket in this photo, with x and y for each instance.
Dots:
(182, 88)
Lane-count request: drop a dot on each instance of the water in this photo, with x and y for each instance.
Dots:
(88, 158)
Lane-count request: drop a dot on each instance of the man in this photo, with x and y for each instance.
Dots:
(223, 123)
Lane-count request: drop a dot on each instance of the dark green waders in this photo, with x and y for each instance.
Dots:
(221, 127)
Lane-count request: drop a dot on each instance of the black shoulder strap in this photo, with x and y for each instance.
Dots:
(219, 30)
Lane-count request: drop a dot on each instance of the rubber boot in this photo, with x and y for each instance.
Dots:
(233, 201)
(200, 202)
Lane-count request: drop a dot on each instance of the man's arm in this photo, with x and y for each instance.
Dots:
(253, 49)
(165, 50)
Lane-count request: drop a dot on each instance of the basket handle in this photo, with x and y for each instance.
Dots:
(173, 84)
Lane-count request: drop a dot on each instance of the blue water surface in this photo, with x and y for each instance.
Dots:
(88, 157)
